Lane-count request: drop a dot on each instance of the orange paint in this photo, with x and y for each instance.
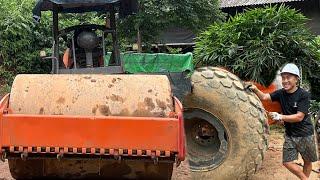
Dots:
(67, 61)
(94, 132)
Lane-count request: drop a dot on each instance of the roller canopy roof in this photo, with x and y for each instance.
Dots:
(127, 7)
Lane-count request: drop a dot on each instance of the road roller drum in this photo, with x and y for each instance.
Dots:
(92, 95)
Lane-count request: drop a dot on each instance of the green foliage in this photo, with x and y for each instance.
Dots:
(256, 43)
(67, 20)
(314, 109)
(277, 128)
(21, 40)
(317, 41)
(4, 89)
(157, 15)
(312, 69)
(174, 50)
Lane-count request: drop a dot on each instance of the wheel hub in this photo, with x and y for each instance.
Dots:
(207, 140)
(204, 134)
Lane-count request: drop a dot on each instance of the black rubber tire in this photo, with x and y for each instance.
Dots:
(222, 94)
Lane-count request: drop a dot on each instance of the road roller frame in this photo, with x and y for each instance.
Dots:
(122, 7)
(62, 136)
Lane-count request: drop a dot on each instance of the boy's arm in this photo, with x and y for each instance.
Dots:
(293, 118)
(262, 96)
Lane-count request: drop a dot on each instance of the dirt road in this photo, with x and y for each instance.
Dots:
(271, 167)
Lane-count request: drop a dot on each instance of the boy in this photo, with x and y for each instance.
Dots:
(299, 134)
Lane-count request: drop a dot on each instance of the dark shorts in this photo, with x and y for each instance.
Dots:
(306, 146)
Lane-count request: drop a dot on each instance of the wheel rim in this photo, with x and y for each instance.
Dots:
(207, 140)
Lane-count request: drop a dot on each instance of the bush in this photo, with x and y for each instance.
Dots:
(21, 40)
(154, 16)
(312, 69)
(4, 89)
(256, 43)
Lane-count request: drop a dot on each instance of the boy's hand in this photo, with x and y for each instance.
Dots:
(275, 116)
(250, 86)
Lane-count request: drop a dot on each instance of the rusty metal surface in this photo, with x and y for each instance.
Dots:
(93, 95)
(79, 169)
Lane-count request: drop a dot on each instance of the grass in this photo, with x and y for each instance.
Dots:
(277, 128)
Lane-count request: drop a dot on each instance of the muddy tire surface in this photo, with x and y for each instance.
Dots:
(226, 127)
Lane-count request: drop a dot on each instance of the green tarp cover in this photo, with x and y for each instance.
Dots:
(155, 63)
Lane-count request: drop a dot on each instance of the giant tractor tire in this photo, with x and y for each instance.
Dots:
(226, 127)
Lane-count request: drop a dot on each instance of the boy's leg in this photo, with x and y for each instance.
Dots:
(295, 169)
(307, 167)
(308, 150)
(290, 153)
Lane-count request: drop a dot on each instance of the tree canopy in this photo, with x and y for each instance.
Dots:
(157, 15)
(21, 39)
(256, 43)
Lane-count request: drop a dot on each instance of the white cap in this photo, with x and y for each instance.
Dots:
(291, 68)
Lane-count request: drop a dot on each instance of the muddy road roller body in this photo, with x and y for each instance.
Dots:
(106, 114)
